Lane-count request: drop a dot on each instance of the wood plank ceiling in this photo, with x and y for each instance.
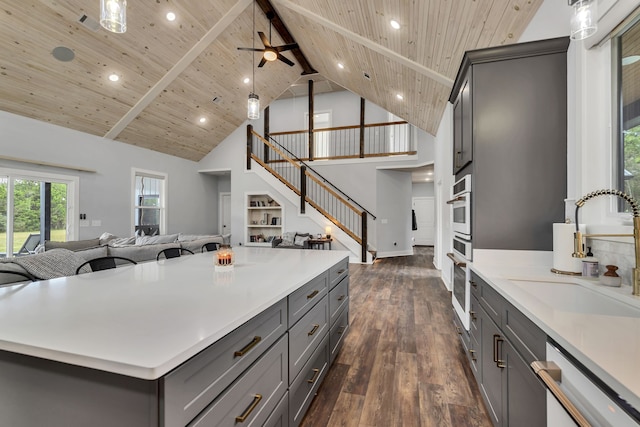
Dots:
(171, 71)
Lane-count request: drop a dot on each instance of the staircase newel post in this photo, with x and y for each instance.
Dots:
(249, 141)
(364, 237)
(265, 147)
(361, 128)
(303, 188)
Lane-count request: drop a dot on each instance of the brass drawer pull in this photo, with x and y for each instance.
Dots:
(312, 294)
(341, 330)
(341, 297)
(248, 347)
(473, 283)
(313, 331)
(256, 399)
(473, 315)
(316, 373)
(497, 339)
(458, 330)
(473, 355)
(340, 271)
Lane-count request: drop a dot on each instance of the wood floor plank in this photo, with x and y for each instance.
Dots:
(402, 363)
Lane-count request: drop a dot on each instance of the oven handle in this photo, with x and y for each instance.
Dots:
(455, 260)
(551, 374)
(456, 199)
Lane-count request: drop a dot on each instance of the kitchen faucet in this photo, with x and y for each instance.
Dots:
(578, 251)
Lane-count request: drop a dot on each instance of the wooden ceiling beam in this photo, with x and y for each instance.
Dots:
(286, 36)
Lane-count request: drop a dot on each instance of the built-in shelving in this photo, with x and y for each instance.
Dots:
(263, 219)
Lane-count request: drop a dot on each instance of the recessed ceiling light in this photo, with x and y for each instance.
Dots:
(341, 65)
(114, 77)
(202, 119)
(171, 16)
(395, 24)
(400, 97)
(246, 80)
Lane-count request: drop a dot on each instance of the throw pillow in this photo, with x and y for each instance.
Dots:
(300, 239)
(287, 238)
(153, 240)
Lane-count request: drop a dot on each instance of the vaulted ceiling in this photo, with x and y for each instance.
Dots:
(171, 72)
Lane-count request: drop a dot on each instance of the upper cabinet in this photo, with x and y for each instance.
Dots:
(462, 135)
(510, 133)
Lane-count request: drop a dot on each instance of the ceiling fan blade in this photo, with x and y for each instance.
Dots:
(251, 49)
(262, 62)
(285, 60)
(264, 39)
(286, 47)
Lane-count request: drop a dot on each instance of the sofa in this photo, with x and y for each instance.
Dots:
(57, 259)
(292, 240)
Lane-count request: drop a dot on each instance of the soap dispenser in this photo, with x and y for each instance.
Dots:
(590, 267)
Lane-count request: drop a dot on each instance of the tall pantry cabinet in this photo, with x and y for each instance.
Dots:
(510, 130)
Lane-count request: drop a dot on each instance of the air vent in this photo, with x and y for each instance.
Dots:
(89, 23)
(366, 75)
(217, 99)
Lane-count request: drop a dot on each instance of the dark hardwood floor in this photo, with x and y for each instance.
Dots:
(402, 363)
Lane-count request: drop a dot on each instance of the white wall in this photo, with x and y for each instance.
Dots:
(423, 189)
(394, 213)
(107, 194)
(444, 178)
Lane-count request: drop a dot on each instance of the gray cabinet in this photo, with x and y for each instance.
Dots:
(508, 342)
(511, 137)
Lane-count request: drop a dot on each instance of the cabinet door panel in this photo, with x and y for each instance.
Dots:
(491, 386)
(525, 403)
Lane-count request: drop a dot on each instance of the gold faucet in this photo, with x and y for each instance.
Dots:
(578, 248)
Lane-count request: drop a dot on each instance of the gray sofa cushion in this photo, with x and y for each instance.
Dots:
(140, 253)
(72, 245)
(154, 240)
(195, 246)
(8, 277)
(92, 253)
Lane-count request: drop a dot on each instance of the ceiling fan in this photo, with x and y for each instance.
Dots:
(271, 53)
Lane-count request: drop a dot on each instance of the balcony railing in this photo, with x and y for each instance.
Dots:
(347, 142)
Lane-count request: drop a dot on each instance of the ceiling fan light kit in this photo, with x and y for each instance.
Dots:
(113, 15)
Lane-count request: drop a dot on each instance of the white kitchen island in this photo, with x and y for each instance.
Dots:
(100, 345)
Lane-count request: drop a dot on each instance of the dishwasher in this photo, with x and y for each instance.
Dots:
(576, 397)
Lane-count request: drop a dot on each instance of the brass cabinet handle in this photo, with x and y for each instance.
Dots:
(313, 331)
(341, 297)
(473, 355)
(459, 330)
(256, 399)
(549, 373)
(473, 283)
(248, 347)
(340, 271)
(473, 315)
(312, 294)
(497, 339)
(316, 372)
(341, 330)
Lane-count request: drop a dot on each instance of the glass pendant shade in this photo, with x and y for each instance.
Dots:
(584, 21)
(113, 15)
(253, 107)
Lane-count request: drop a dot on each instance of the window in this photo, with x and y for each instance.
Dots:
(627, 64)
(321, 120)
(149, 201)
(35, 207)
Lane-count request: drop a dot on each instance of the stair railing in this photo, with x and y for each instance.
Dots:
(314, 189)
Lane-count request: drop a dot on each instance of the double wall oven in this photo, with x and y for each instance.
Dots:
(462, 247)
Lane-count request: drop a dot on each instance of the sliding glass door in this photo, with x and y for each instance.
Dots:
(34, 207)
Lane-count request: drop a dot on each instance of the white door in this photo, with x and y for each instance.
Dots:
(425, 211)
(224, 214)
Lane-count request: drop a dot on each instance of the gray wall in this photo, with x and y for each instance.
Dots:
(107, 194)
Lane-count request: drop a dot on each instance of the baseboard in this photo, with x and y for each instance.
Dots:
(396, 253)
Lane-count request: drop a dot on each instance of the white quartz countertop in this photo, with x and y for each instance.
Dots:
(598, 325)
(145, 320)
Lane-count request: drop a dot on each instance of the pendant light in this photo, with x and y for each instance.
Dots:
(113, 15)
(253, 103)
(584, 21)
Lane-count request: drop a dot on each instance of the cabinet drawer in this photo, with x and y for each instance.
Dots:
(491, 301)
(304, 387)
(254, 395)
(192, 386)
(306, 297)
(338, 299)
(338, 332)
(305, 336)
(280, 416)
(525, 336)
(338, 272)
